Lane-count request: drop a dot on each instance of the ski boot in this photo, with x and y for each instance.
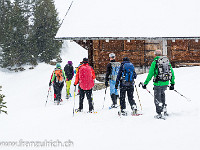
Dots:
(134, 110)
(122, 112)
(78, 110)
(113, 106)
(91, 111)
(165, 110)
(159, 116)
(67, 96)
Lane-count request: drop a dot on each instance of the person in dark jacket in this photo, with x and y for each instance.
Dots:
(69, 72)
(111, 75)
(126, 79)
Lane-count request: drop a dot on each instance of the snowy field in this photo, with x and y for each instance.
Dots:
(29, 120)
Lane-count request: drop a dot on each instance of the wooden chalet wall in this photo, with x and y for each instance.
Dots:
(183, 51)
(140, 52)
(134, 50)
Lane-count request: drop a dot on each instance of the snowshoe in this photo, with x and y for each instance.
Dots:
(91, 111)
(67, 96)
(78, 110)
(56, 102)
(159, 116)
(113, 106)
(134, 110)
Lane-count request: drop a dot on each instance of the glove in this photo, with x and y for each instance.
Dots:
(144, 86)
(50, 83)
(116, 86)
(106, 83)
(171, 87)
(74, 84)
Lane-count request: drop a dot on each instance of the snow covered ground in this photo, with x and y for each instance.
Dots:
(29, 120)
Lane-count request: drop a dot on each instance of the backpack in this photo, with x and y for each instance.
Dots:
(115, 69)
(59, 75)
(69, 71)
(86, 81)
(128, 74)
(164, 70)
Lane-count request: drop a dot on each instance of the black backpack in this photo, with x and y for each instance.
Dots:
(69, 71)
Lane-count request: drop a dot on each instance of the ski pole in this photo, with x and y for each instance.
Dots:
(48, 95)
(74, 100)
(138, 96)
(157, 101)
(104, 98)
(182, 95)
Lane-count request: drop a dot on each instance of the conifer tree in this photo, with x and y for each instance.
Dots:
(15, 47)
(45, 27)
(2, 104)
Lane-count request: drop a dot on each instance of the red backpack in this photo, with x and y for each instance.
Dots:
(86, 80)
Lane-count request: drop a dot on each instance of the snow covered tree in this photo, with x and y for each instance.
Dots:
(45, 27)
(2, 104)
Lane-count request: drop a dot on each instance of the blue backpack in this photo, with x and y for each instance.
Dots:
(115, 70)
(128, 74)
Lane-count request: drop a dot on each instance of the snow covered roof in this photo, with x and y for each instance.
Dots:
(131, 18)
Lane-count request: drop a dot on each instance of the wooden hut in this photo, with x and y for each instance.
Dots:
(128, 30)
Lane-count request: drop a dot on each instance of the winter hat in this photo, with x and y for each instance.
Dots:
(158, 52)
(112, 55)
(85, 60)
(58, 65)
(70, 62)
(125, 59)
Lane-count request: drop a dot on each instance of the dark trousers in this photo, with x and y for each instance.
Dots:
(129, 90)
(89, 97)
(57, 90)
(159, 98)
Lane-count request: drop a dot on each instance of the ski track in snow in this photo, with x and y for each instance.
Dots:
(29, 119)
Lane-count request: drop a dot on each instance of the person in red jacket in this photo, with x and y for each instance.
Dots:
(85, 77)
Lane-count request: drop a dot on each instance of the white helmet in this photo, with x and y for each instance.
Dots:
(112, 55)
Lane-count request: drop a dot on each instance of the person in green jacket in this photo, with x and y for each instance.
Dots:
(163, 73)
(58, 78)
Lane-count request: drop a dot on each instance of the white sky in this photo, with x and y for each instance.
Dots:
(129, 18)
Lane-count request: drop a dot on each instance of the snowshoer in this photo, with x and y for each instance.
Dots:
(58, 79)
(162, 72)
(75, 71)
(85, 77)
(69, 72)
(126, 76)
(111, 75)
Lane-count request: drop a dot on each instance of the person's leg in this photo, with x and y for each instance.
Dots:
(81, 98)
(157, 99)
(122, 97)
(90, 101)
(164, 106)
(113, 92)
(132, 103)
(68, 83)
(60, 91)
